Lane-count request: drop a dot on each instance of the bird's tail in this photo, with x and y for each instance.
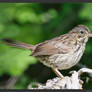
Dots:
(18, 44)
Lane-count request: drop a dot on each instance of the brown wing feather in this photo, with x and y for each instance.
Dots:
(45, 49)
(54, 46)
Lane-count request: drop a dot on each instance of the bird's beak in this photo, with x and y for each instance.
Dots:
(89, 35)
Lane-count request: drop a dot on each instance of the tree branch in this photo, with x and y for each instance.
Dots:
(72, 82)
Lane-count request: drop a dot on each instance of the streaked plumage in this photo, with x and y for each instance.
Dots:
(61, 52)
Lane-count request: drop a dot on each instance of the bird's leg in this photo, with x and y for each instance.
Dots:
(57, 73)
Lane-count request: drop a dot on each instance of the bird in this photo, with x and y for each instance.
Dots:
(59, 53)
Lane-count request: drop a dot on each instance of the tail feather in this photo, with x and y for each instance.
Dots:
(18, 44)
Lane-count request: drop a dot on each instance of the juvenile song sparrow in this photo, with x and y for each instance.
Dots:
(61, 52)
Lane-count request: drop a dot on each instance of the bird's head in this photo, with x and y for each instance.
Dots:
(81, 33)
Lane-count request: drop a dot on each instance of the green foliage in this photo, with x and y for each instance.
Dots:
(33, 23)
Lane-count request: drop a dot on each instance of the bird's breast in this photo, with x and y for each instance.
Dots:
(64, 61)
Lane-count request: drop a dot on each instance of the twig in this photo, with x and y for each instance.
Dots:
(11, 82)
(72, 82)
(85, 70)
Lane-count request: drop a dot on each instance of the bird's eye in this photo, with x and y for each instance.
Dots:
(81, 32)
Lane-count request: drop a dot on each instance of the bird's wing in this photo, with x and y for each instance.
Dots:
(51, 47)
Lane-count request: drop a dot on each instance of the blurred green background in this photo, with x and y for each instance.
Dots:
(33, 23)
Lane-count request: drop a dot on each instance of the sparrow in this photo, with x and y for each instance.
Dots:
(59, 53)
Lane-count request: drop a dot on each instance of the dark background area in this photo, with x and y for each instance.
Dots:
(34, 23)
